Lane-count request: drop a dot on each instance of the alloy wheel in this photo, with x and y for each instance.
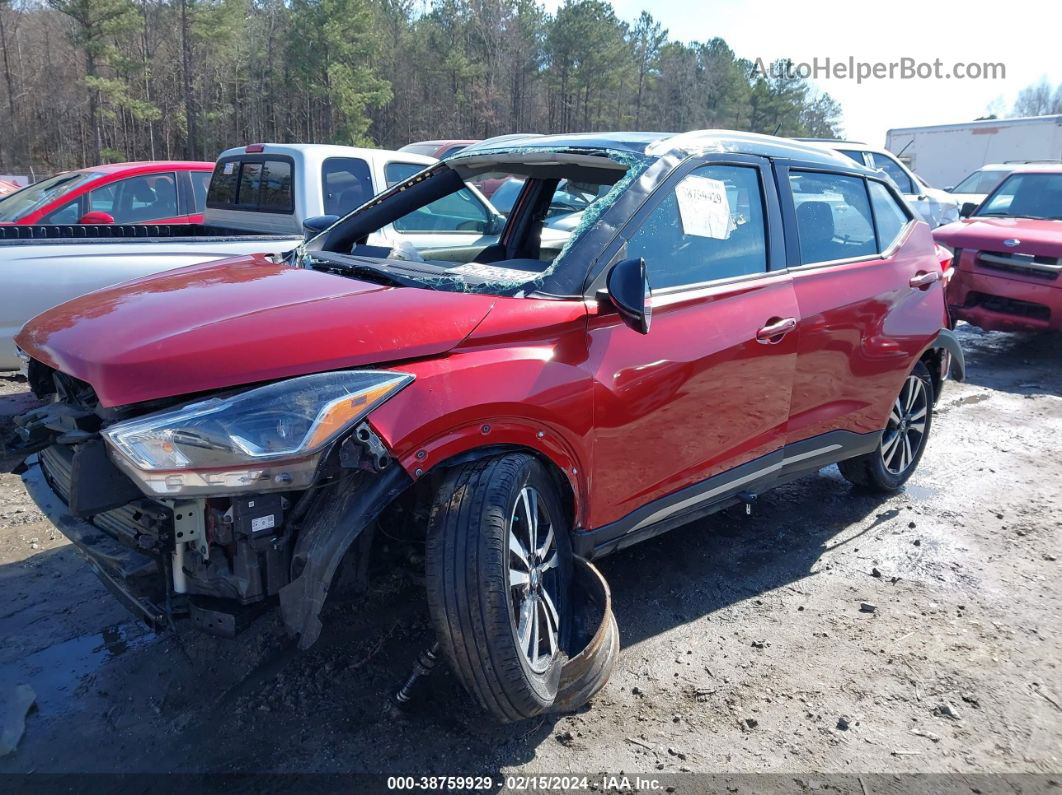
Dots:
(906, 429)
(533, 583)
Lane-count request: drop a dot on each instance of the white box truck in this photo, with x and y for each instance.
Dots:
(944, 154)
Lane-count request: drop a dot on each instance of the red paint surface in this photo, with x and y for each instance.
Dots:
(240, 321)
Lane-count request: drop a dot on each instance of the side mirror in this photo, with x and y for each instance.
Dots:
(495, 225)
(629, 291)
(312, 227)
(967, 209)
(96, 217)
(948, 189)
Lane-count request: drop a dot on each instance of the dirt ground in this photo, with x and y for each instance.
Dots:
(745, 648)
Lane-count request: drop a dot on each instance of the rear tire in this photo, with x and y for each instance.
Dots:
(498, 567)
(903, 441)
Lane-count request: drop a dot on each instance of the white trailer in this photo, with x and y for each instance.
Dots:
(943, 154)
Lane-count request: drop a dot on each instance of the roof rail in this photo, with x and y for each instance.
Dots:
(830, 141)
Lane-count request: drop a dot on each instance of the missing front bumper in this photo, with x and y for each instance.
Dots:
(133, 577)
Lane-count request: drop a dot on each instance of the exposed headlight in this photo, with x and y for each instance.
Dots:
(266, 439)
(24, 360)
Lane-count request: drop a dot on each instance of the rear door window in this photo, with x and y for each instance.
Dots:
(200, 185)
(833, 217)
(255, 183)
(889, 215)
(894, 170)
(346, 184)
(709, 226)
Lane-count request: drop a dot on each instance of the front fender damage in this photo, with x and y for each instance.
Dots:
(334, 523)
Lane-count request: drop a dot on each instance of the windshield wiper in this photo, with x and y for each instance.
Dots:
(377, 273)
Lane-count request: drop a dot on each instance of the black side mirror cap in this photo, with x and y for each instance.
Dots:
(967, 209)
(629, 291)
(312, 227)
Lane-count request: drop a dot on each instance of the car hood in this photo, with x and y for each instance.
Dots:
(240, 321)
(1034, 236)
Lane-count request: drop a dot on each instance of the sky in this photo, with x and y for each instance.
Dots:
(1020, 34)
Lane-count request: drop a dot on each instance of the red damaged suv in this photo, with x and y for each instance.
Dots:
(231, 434)
(1008, 254)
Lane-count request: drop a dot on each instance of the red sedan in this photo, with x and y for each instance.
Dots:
(1008, 255)
(162, 192)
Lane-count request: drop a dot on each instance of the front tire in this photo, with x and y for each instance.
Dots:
(903, 441)
(498, 573)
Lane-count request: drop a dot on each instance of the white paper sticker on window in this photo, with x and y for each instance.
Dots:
(704, 207)
(230, 167)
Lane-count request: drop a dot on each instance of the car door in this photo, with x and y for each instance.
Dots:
(857, 260)
(696, 409)
(145, 198)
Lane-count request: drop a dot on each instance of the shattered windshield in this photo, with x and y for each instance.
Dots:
(490, 222)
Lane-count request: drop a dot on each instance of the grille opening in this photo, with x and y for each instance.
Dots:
(1008, 306)
(1037, 267)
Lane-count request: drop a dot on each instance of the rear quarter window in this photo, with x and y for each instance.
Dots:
(255, 183)
(890, 217)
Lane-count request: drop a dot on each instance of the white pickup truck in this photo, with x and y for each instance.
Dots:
(263, 198)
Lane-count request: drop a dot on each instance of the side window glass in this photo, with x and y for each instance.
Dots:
(889, 216)
(101, 200)
(896, 173)
(854, 154)
(200, 184)
(833, 217)
(710, 226)
(461, 211)
(145, 198)
(346, 183)
(69, 213)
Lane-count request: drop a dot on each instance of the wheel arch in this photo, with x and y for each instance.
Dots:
(560, 477)
(944, 352)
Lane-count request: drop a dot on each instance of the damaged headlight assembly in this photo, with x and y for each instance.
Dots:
(269, 438)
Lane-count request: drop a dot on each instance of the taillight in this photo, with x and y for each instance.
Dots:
(945, 256)
(253, 148)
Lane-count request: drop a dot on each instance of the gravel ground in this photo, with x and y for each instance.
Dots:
(746, 647)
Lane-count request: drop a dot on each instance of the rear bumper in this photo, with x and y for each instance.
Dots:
(133, 577)
(996, 303)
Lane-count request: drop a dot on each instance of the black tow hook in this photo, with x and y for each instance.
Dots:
(414, 685)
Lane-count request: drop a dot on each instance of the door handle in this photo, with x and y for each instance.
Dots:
(776, 329)
(923, 280)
